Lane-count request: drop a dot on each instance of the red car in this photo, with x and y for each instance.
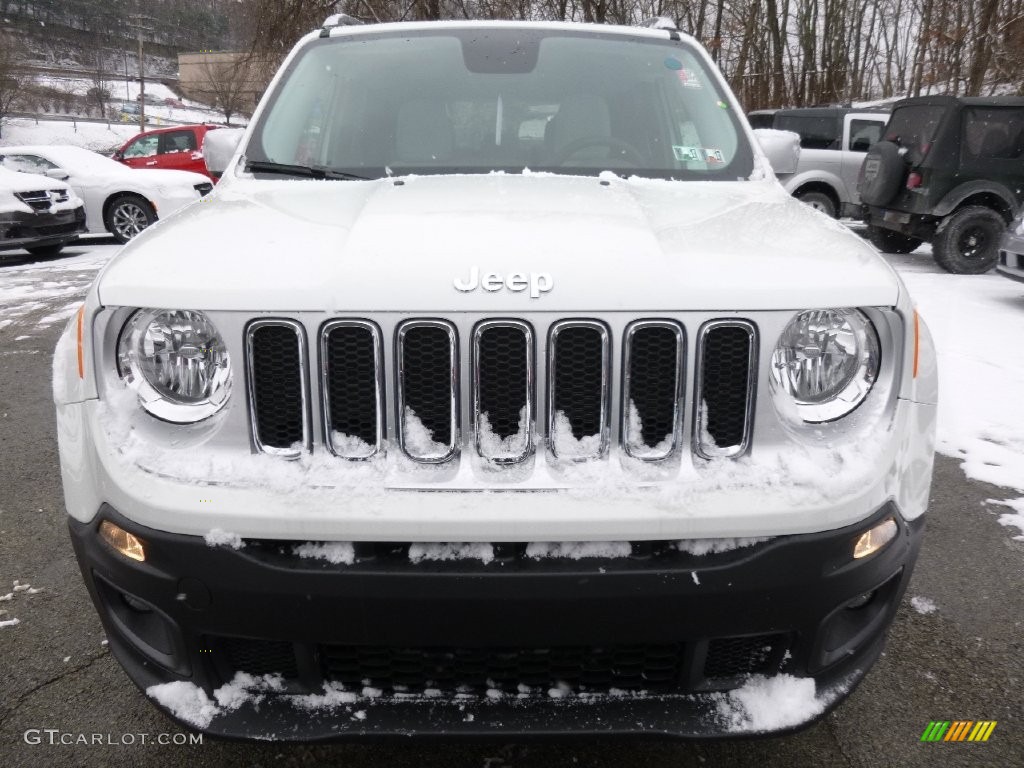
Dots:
(177, 148)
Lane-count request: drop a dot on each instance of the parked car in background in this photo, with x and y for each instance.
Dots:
(950, 170)
(118, 200)
(38, 213)
(178, 148)
(833, 144)
(1011, 251)
(762, 118)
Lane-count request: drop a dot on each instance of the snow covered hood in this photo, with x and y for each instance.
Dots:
(15, 181)
(604, 244)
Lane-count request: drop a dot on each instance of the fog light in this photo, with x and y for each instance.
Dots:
(873, 540)
(127, 544)
(861, 600)
(135, 604)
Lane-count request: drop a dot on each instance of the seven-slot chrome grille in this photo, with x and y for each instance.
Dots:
(362, 372)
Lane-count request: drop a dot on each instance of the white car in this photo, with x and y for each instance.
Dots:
(497, 388)
(120, 200)
(38, 213)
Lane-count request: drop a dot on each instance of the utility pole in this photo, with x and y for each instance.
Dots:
(138, 20)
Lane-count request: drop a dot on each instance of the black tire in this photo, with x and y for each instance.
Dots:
(967, 241)
(127, 215)
(819, 201)
(882, 174)
(45, 251)
(888, 241)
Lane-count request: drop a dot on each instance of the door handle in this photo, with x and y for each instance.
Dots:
(151, 162)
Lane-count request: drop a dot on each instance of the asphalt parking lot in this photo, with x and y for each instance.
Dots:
(962, 661)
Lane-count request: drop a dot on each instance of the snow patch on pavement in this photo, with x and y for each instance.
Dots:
(923, 605)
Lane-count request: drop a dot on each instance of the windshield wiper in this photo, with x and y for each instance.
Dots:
(304, 171)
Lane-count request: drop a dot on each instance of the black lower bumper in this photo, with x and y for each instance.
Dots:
(639, 644)
(19, 229)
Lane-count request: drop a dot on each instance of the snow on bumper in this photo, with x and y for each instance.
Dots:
(799, 490)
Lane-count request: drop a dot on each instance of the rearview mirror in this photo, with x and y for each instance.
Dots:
(782, 148)
(58, 173)
(218, 148)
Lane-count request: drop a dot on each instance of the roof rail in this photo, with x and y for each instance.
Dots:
(659, 22)
(338, 20)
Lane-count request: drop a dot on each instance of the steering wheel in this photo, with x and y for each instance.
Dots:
(632, 153)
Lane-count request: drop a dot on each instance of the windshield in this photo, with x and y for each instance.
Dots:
(486, 99)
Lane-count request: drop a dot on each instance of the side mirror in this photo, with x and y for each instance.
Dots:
(782, 148)
(58, 173)
(219, 147)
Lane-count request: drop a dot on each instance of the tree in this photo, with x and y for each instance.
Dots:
(227, 83)
(13, 76)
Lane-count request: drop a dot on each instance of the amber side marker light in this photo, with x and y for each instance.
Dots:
(81, 355)
(127, 544)
(873, 540)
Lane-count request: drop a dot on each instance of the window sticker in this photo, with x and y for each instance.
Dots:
(713, 156)
(689, 79)
(688, 154)
(673, 63)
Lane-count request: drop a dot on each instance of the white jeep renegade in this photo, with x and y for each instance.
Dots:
(497, 387)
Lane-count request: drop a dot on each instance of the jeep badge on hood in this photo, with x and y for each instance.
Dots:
(537, 282)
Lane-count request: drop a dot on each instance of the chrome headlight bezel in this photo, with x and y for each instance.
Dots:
(138, 364)
(852, 351)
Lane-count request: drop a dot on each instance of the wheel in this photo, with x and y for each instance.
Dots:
(882, 174)
(631, 154)
(819, 201)
(967, 241)
(45, 251)
(127, 216)
(888, 241)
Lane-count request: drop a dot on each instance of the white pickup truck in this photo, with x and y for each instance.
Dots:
(833, 144)
(497, 388)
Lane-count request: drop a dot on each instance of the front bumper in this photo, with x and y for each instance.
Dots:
(19, 229)
(640, 644)
(1011, 257)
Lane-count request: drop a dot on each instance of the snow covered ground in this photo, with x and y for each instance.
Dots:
(99, 137)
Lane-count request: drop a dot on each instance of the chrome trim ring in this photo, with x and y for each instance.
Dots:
(527, 332)
(700, 447)
(325, 392)
(677, 413)
(307, 432)
(452, 448)
(606, 345)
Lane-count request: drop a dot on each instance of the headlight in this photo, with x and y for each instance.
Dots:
(826, 361)
(177, 363)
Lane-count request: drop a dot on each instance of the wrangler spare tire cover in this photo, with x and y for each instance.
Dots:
(882, 175)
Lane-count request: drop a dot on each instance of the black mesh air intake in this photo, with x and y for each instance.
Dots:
(735, 656)
(258, 657)
(277, 385)
(579, 360)
(725, 370)
(428, 375)
(654, 371)
(502, 367)
(652, 668)
(350, 357)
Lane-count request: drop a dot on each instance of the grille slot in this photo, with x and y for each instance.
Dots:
(259, 657)
(736, 656)
(279, 413)
(652, 385)
(37, 200)
(428, 373)
(579, 357)
(726, 382)
(352, 384)
(503, 389)
(652, 668)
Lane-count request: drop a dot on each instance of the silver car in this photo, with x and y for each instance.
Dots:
(1011, 251)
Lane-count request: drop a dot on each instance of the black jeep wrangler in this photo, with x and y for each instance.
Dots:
(949, 170)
